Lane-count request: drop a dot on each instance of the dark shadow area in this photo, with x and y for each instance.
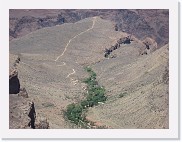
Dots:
(32, 116)
(14, 85)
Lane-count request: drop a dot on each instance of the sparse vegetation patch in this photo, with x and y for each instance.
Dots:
(96, 94)
(122, 94)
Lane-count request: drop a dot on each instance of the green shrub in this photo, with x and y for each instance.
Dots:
(84, 103)
(95, 94)
(74, 112)
(91, 103)
(88, 69)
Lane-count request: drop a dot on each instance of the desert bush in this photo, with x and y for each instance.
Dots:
(122, 94)
(74, 112)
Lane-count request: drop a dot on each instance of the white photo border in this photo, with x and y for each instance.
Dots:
(171, 133)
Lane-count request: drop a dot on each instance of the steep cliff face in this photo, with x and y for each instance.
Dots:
(20, 105)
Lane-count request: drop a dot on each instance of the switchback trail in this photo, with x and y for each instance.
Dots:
(57, 58)
(63, 63)
(71, 73)
(94, 19)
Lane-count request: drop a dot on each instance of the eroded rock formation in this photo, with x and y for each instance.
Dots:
(124, 40)
(22, 114)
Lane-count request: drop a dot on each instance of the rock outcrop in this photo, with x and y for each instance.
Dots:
(22, 113)
(123, 40)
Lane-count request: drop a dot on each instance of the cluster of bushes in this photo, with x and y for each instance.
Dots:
(74, 113)
(95, 95)
(95, 91)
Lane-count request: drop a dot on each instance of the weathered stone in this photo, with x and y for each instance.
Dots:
(23, 93)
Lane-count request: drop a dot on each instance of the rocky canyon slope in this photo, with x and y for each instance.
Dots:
(51, 62)
(141, 23)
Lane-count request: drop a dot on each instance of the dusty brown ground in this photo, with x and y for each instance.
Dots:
(145, 100)
(52, 70)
